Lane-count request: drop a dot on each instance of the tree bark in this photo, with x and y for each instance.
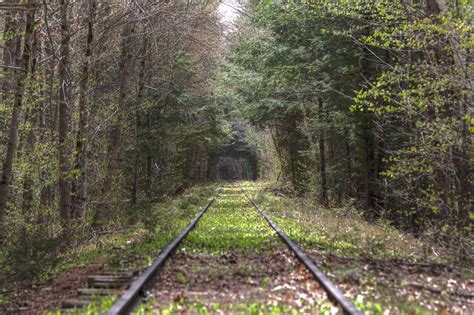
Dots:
(16, 111)
(64, 73)
(462, 153)
(149, 163)
(32, 117)
(11, 49)
(323, 197)
(79, 186)
(114, 158)
(348, 186)
(140, 95)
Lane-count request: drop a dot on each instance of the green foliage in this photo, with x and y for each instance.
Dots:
(374, 95)
(283, 64)
(33, 251)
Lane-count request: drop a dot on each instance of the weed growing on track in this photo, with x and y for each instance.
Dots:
(217, 308)
(233, 226)
(230, 225)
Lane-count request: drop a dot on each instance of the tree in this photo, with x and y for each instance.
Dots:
(390, 127)
(64, 97)
(79, 188)
(21, 81)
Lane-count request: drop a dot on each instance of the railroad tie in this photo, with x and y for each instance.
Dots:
(97, 285)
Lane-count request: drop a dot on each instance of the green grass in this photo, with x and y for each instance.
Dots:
(343, 233)
(217, 308)
(336, 231)
(231, 225)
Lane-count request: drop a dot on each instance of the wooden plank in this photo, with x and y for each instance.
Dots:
(109, 279)
(106, 285)
(92, 292)
(114, 273)
(74, 303)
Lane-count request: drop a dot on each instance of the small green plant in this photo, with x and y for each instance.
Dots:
(187, 201)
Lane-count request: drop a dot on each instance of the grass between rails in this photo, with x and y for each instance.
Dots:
(373, 262)
(237, 308)
(232, 227)
(131, 248)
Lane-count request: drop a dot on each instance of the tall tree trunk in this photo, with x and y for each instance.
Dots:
(22, 77)
(348, 176)
(463, 151)
(50, 111)
(293, 155)
(64, 73)
(140, 94)
(79, 186)
(149, 163)
(114, 158)
(368, 177)
(11, 50)
(367, 138)
(323, 197)
(13, 22)
(30, 140)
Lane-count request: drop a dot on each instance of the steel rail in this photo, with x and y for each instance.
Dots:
(133, 295)
(334, 294)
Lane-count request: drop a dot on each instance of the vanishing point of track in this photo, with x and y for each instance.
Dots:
(134, 294)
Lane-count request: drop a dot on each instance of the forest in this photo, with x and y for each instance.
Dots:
(350, 122)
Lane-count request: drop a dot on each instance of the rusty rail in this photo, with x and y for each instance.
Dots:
(133, 295)
(334, 294)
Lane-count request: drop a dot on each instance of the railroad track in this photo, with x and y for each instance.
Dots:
(135, 291)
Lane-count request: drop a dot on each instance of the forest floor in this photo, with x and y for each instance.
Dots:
(234, 263)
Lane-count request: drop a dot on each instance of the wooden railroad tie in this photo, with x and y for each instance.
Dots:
(97, 286)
